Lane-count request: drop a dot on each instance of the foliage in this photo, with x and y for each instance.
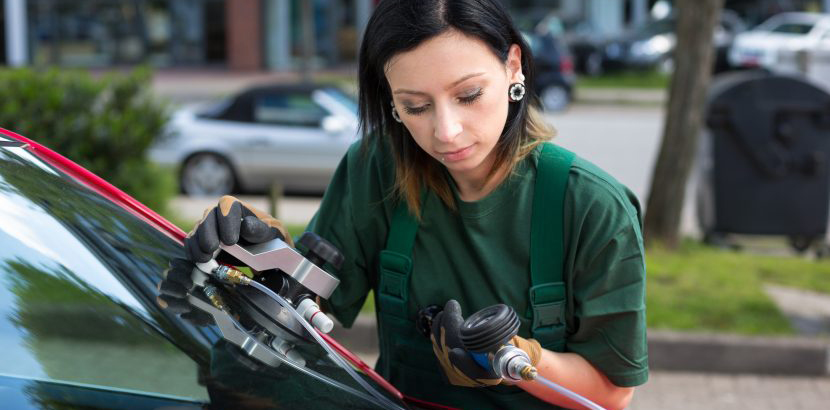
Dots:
(104, 124)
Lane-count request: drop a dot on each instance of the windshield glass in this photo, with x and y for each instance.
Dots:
(78, 279)
(792, 28)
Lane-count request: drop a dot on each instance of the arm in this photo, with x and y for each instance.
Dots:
(573, 372)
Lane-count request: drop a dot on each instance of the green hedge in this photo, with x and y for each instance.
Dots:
(104, 124)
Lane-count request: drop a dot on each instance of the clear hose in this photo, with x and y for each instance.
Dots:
(336, 357)
(569, 394)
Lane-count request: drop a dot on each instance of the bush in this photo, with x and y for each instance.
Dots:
(104, 124)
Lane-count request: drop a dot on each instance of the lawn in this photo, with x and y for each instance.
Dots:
(701, 288)
(625, 79)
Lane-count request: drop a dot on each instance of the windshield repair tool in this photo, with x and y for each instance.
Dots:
(276, 309)
(486, 336)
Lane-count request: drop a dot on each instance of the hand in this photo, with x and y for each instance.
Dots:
(227, 222)
(173, 289)
(458, 365)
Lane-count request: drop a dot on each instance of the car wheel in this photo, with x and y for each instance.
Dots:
(593, 64)
(207, 175)
(555, 97)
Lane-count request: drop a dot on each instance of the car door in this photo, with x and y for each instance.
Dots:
(288, 139)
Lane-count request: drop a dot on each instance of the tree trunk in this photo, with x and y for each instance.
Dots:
(693, 67)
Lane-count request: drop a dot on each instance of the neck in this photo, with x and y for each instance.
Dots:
(474, 184)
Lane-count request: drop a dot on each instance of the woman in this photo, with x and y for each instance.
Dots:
(454, 198)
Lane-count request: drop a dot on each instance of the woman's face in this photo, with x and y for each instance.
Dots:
(452, 94)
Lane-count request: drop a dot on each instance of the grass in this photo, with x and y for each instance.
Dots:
(625, 79)
(707, 289)
(701, 288)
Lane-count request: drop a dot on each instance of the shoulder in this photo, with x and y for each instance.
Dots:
(592, 190)
(364, 181)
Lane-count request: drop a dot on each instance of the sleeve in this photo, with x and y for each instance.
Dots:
(351, 217)
(607, 264)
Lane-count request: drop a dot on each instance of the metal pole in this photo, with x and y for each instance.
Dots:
(640, 12)
(17, 50)
(363, 10)
(307, 10)
(278, 34)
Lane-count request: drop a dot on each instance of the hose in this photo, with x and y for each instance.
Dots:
(569, 394)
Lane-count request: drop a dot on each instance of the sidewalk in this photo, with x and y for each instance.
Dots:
(668, 390)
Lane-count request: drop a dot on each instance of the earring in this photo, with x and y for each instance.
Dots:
(395, 113)
(517, 92)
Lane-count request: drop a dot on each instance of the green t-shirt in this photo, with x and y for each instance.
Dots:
(479, 254)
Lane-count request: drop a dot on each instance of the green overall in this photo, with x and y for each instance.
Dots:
(406, 356)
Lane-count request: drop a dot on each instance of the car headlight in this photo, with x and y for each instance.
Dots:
(655, 46)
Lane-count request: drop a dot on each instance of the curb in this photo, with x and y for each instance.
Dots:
(680, 351)
(721, 353)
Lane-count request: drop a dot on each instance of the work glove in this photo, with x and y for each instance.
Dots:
(173, 290)
(458, 365)
(228, 222)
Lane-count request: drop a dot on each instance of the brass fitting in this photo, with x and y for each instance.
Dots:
(529, 373)
(213, 295)
(230, 275)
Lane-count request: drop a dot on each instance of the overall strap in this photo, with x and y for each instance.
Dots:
(547, 247)
(396, 262)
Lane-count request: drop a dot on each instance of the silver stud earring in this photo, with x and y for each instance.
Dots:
(516, 92)
(395, 113)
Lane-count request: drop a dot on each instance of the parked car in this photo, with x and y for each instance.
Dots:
(294, 135)
(553, 64)
(652, 45)
(79, 323)
(782, 33)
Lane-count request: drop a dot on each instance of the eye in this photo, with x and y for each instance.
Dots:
(471, 98)
(415, 110)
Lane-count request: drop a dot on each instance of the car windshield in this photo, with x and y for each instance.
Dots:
(345, 99)
(78, 278)
(657, 27)
(792, 28)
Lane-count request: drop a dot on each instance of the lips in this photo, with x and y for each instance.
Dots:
(457, 155)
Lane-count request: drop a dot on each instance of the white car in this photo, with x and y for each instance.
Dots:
(782, 34)
(293, 135)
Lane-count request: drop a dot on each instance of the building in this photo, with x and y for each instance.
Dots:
(252, 34)
(237, 34)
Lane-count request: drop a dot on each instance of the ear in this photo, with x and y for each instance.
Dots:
(514, 64)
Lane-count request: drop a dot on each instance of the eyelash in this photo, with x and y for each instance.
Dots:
(466, 100)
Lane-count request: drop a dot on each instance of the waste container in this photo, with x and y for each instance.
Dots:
(765, 157)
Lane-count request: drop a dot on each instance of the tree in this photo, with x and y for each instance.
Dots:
(693, 67)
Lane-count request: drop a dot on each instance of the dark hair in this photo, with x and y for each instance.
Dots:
(401, 25)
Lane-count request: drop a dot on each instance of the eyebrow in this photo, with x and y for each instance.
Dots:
(456, 82)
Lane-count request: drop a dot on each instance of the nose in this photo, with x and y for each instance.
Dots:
(447, 124)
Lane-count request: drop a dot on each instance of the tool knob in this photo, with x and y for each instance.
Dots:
(320, 251)
(489, 329)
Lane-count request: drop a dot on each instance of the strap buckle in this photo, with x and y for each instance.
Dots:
(395, 270)
(547, 305)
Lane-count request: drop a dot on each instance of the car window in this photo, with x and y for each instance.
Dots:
(294, 109)
(78, 278)
(792, 28)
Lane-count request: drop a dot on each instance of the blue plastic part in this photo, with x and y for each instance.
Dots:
(481, 359)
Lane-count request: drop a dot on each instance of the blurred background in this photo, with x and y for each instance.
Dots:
(181, 101)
